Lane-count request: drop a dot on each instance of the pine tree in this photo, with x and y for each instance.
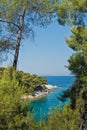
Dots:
(18, 18)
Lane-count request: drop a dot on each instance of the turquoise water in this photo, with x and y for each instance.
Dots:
(43, 106)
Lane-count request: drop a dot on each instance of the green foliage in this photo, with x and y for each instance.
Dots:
(66, 119)
(78, 42)
(30, 82)
(65, 12)
(36, 12)
(1, 72)
(72, 12)
(78, 38)
(77, 63)
(14, 114)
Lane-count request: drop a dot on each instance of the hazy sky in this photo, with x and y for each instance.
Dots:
(47, 54)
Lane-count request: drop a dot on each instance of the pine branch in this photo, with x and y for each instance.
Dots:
(4, 21)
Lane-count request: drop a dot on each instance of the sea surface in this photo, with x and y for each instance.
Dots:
(42, 107)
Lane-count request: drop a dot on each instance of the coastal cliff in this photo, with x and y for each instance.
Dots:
(40, 92)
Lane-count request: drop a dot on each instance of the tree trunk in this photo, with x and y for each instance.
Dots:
(15, 61)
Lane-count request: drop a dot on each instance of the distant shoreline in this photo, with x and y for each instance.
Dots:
(40, 94)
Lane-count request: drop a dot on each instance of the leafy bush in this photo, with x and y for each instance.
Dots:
(66, 119)
(30, 82)
(14, 114)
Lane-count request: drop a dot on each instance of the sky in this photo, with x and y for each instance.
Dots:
(47, 53)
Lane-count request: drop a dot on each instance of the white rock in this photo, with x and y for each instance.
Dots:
(50, 86)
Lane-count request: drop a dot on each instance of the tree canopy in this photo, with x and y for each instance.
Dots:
(18, 17)
(72, 12)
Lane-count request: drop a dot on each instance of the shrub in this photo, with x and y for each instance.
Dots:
(14, 114)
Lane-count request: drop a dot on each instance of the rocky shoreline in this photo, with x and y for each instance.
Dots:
(42, 93)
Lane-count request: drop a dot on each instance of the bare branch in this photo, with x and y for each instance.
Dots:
(1, 20)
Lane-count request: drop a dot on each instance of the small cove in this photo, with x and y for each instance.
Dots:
(43, 105)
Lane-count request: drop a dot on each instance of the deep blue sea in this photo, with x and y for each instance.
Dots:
(43, 106)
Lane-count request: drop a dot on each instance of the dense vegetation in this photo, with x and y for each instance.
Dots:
(13, 112)
(30, 82)
(76, 15)
(66, 119)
